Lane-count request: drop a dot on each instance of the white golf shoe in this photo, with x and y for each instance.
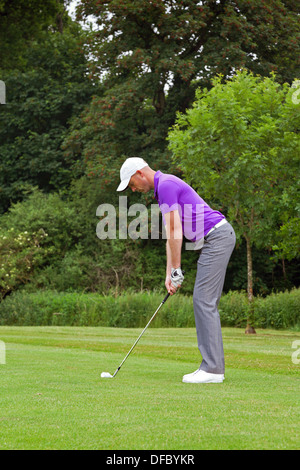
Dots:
(202, 377)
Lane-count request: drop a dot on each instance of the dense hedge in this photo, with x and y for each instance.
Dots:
(127, 310)
(280, 310)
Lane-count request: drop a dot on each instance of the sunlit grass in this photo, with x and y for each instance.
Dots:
(52, 396)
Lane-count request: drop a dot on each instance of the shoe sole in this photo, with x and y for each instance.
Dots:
(208, 381)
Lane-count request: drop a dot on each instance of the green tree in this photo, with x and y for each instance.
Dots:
(20, 254)
(288, 236)
(119, 124)
(172, 42)
(238, 145)
(23, 21)
(40, 104)
(152, 55)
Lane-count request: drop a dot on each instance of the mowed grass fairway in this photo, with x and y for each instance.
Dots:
(52, 396)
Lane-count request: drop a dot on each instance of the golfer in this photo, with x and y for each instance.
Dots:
(186, 214)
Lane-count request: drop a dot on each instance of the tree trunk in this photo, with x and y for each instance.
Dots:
(250, 320)
(159, 101)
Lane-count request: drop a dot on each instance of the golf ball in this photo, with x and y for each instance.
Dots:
(106, 375)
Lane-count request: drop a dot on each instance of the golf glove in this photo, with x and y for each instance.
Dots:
(177, 277)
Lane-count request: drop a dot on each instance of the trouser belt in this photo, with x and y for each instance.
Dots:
(219, 224)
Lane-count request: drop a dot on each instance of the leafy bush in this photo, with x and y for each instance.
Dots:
(20, 253)
(281, 310)
(135, 309)
(38, 233)
(234, 309)
(278, 311)
(48, 212)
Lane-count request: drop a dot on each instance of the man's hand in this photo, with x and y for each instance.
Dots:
(177, 277)
(170, 288)
(173, 283)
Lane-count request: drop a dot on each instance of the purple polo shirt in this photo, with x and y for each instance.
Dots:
(196, 216)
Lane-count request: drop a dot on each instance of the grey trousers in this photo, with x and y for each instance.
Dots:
(211, 270)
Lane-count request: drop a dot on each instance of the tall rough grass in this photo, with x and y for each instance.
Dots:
(278, 311)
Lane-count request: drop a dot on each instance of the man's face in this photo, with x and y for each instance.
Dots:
(139, 183)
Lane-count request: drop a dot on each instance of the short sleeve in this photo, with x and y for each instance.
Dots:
(169, 196)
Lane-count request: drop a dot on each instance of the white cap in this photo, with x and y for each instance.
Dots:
(128, 169)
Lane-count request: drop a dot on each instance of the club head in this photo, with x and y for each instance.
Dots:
(106, 375)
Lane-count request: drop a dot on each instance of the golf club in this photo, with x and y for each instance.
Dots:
(107, 375)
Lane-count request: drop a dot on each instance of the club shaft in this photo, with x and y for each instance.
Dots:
(133, 346)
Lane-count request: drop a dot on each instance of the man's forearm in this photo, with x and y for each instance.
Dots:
(174, 240)
(174, 244)
(169, 260)
(173, 254)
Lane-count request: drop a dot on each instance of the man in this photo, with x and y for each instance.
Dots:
(185, 213)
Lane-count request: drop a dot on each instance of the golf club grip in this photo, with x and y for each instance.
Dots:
(168, 294)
